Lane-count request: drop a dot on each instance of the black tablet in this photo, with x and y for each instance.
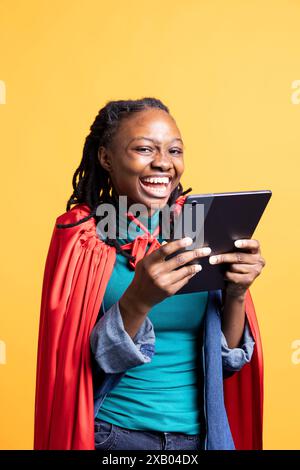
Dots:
(217, 220)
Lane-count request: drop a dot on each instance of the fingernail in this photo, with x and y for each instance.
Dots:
(198, 267)
(187, 241)
(213, 259)
(239, 243)
(206, 250)
(164, 242)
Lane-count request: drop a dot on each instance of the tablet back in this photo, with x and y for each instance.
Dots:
(227, 217)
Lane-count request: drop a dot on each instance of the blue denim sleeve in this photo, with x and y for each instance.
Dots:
(234, 359)
(113, 348)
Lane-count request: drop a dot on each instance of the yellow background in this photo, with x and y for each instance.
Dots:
(226, 70)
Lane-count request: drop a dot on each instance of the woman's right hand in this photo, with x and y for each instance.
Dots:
(156, 279)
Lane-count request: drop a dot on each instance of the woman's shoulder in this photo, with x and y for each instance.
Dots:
(73, 215)
(77, 226)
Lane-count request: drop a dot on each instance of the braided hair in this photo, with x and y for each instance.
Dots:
(91, 182)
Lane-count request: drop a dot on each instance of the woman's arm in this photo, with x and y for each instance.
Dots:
(114, 349)
(133, 314)
(156, 279)
(233, 318)
(244, 267)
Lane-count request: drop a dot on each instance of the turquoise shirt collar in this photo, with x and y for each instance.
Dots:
(133, 230)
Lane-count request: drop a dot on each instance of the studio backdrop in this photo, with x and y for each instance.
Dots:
(229, 73)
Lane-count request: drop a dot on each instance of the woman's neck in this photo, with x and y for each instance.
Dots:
(132, 228)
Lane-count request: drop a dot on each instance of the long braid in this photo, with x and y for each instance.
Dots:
(91, 182)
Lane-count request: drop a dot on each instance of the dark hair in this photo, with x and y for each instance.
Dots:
(91, 182)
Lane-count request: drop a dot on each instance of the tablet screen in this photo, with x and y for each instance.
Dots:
(226, 217)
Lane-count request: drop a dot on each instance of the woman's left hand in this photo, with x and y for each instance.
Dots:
(245, 266)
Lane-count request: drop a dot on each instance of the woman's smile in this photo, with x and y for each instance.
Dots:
(156, 185)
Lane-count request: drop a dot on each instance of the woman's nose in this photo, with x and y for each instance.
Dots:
(162, 160)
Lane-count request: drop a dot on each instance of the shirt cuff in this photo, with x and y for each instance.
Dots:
(114, 349)
(234, 359)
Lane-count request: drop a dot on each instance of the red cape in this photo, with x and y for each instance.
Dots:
(77, 270)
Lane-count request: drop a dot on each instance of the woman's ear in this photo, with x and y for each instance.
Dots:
(104, 159)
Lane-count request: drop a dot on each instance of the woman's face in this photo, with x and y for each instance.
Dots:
(147, 145)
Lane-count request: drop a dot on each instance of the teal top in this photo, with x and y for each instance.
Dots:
(161, 395)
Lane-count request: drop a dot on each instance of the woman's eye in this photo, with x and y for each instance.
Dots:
(173, 151)
(143, 148)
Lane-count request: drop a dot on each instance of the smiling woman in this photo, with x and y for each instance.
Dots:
(145, 157)
(122, 362)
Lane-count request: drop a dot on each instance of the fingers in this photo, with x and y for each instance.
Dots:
(182, 283)
(245, 268)
(167, 248)
(235, 257)
(252, 245)
(182, 273)
(250, 254)
(182, 258)
(179, 259)
(238, 278)
(177, 279)
(159, 266)
(172, 272)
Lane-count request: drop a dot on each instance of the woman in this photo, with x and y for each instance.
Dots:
(109, 350)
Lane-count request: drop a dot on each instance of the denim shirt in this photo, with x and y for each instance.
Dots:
(114, 352)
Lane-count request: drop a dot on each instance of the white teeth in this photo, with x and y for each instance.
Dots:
(161, 190)
(160, 180)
